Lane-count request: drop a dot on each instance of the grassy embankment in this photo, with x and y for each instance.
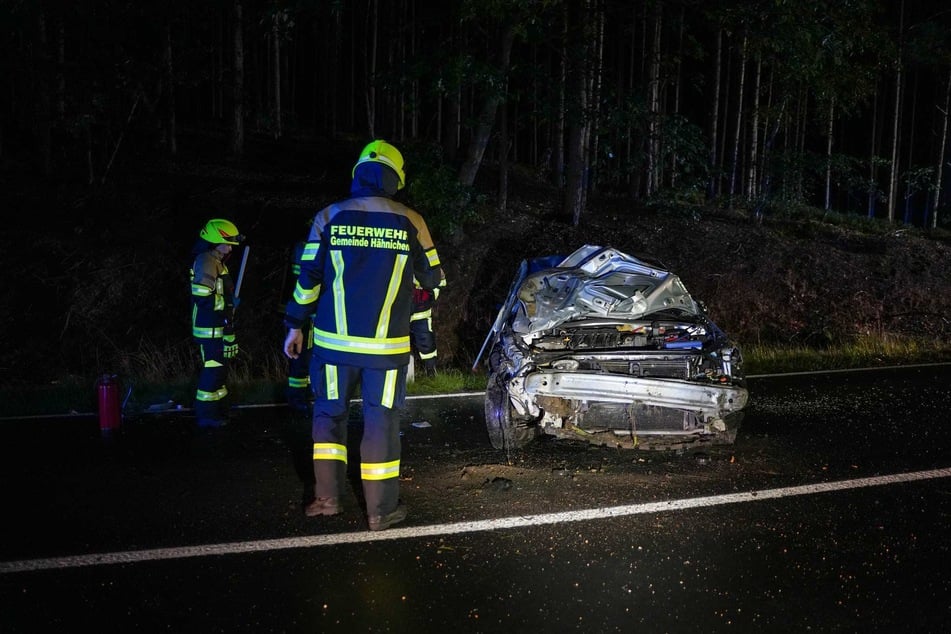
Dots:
(151, 392)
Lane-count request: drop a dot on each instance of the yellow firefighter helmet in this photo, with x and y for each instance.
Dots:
(221, 231)
(379, 151)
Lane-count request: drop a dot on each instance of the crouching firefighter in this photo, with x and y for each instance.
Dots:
(213, 303)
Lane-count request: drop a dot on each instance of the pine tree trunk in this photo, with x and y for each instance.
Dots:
(715, 118)
(752, 178)
(558, 152)
(578, 82)
(628, 135)
(909, 187)
(677, 82)
(893, 172)
(503, 157)
(370, 94)
(276, 78)
(739, 124)
(872, 168)
(653, 108)
(591, 141)
(829, 138)
(171, 131)
(486, 120)
(237, 88)
(42, 121)
(939, 170)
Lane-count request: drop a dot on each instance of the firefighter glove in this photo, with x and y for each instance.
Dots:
(231, 346)
(421, 295)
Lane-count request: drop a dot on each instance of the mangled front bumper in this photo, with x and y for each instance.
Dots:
(711, 401)
(624, 410)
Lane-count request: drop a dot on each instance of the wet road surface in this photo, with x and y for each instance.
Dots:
(830, 513)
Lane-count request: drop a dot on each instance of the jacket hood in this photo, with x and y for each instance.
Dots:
(374, 179)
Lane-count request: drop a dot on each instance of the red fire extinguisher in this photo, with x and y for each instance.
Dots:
(110, 415)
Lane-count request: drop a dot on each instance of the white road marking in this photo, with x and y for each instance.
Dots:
(843, 370)
(413, 532)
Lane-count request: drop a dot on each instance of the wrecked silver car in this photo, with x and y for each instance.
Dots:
(604, 347)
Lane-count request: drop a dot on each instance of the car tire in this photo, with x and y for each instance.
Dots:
(506, 432)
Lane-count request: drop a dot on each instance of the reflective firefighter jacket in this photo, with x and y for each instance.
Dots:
(212, 295)
(293, 271)
(356, 280)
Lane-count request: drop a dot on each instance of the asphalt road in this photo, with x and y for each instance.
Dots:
(829, 514)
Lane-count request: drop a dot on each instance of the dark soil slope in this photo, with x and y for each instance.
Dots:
(95, 277)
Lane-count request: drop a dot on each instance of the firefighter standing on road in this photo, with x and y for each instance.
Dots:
(298, 369)
(213, 304)
(356, 280)
(422, 337)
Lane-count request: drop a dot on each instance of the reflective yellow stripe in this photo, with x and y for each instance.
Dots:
(433, 257)
(200, 290)
(330, 451)
(207, 333)
(379, 470)
(362, 345)
(330, 378)
(311, 249)
(431, 355)
(383, 324)
(220, 291)
(217, 395)
(340, 296)
(389, 389)
(211, 363)
(296, 382)
(423, 314)
(304, 296)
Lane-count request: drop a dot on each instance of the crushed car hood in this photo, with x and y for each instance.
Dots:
(598, 282)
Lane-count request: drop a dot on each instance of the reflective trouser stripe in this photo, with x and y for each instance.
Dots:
(330, 378)
(379, 470)
(217, 395)
(208, 333)
(330, 451)
(298, 382)
(389, 389)
(429, 355)
(211, 363)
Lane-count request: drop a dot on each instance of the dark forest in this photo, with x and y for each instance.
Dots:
(530, 127)
(839, 105)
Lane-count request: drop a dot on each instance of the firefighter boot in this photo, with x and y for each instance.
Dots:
(383, 522)
(322, 506)
(328, 474)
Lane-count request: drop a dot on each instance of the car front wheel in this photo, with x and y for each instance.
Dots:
(506, 430)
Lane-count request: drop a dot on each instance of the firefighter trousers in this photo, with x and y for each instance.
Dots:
(298, 373)
(423, 339)
(211, 406)
(383, 393)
